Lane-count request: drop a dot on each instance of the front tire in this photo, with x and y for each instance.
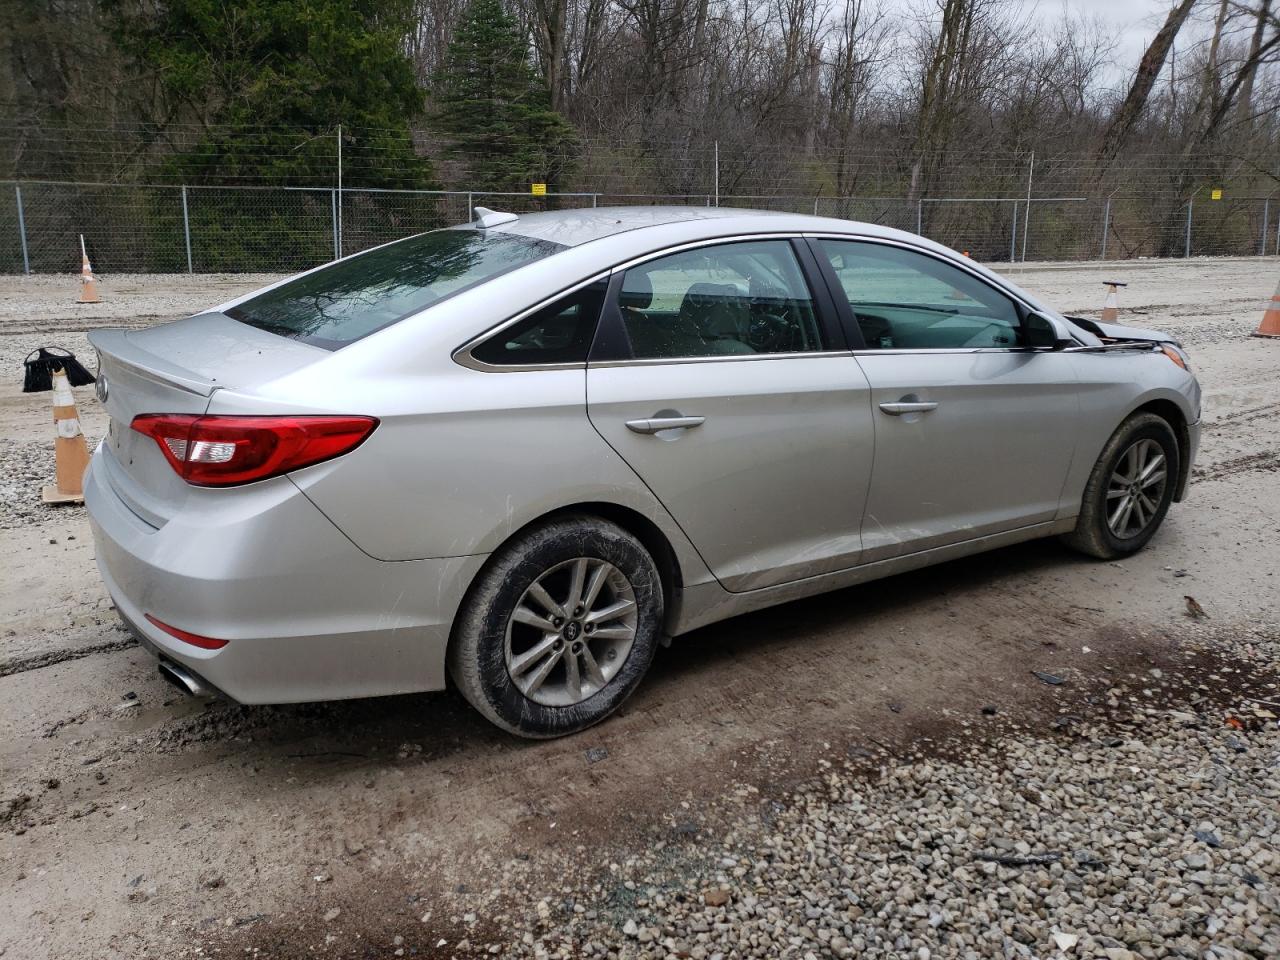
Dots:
(559, 628)
(1129, 490)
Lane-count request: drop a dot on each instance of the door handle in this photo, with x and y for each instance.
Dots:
(907, 406)
(656, 424)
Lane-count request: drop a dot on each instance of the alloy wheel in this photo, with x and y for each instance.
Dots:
(1136, 488)
(571, 632)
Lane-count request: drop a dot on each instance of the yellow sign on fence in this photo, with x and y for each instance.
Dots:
(538, 189)
(1215, 193)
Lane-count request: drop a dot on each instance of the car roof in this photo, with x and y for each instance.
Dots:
(596, 241)
(629, 232)
(578, 226)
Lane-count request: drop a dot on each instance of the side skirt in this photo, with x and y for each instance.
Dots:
(707, 603)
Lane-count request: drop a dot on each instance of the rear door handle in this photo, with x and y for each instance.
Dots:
(655, 424)
(907, 406)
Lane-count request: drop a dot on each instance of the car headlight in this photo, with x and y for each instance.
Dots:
(1177, 355)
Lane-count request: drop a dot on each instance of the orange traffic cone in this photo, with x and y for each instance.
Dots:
(88, 286)
(71, 453)
(1270, 325)
(1111, 307)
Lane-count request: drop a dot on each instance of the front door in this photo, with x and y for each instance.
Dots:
(733, 408)
(974, 432)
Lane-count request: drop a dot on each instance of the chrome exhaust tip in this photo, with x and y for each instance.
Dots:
(184, 679)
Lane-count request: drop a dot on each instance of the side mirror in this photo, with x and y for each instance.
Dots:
(1041, 332)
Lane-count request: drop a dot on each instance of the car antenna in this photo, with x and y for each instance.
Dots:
(486, 218)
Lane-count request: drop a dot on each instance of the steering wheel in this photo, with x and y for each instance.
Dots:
(770, 332)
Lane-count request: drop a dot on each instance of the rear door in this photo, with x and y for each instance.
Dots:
(974, 433)
(730, 395)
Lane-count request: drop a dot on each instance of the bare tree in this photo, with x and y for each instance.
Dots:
(1149, 68)
(857, 50)
(1262, 17)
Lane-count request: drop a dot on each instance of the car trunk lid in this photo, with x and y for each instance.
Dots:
(176, 368)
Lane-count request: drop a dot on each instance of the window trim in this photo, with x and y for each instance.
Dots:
(611, 330)
(854, 332)
(835, 318)
(462, 354)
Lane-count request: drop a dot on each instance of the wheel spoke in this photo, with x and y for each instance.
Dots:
(1153, 479)
(1117, 492)
(594, 674)
(1124, 469)
(620, 632)
(1152, 465)
(1127, 518)
(1114, 520)
(535, 680)
(573, 677)
(1148, 503)
(594, 585)
(611, 612)
(528, 617)
(524, 661)
(576, 583)
(1139, 513)
(539, 593)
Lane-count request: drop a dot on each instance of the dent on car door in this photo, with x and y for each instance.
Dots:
(974, 436)
(728, 402)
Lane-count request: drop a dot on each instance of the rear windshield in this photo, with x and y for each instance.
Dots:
(352, 298)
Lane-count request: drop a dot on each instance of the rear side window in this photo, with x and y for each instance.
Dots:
(558, 333)
(352, 298)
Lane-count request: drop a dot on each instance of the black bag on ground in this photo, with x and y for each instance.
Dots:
(41, 363)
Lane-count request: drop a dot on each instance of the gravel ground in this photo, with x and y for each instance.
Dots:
(47, 303)
(1153, 834)
(27, 469)
(873, 773)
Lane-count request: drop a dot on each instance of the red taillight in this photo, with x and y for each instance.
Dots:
(205, 643)
(218, 451)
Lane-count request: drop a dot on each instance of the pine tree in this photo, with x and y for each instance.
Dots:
(494, 107)
(271, 80)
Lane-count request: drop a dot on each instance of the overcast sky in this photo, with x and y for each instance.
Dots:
(1135, 22)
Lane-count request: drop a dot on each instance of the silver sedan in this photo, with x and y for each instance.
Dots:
(524, 451)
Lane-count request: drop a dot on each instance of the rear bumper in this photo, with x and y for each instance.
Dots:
(306, 614)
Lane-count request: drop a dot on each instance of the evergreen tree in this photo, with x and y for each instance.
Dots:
(269, 81)
(495, 108)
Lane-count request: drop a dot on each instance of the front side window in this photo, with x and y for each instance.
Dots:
(733, 299)
(350, 299)
(558, 333)
(909, 301)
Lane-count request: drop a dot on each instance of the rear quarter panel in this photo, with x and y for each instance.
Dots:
(463, 459)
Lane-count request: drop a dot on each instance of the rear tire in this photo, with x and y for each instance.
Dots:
(1129, 490)
(559, 628)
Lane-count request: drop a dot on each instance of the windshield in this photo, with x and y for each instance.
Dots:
(352, 298)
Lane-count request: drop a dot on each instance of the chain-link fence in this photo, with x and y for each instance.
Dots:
(147, 228)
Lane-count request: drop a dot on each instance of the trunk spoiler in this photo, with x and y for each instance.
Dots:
(117, 345)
